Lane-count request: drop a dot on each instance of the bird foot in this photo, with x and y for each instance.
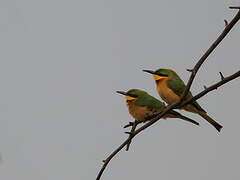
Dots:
(128, 125)
(130, 133)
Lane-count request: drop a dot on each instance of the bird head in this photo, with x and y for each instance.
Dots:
(161, 74)
(132, 94)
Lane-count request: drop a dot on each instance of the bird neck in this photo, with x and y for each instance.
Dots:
(130, 104)
(139, 113)
(161, 81)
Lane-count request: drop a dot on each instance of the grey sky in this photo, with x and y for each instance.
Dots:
(61, 63)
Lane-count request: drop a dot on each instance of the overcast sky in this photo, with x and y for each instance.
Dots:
(61, 63)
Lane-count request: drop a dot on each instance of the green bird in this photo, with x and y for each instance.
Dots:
(170, 87)
(143, 106)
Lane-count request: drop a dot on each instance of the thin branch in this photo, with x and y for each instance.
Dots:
(180, 102)
(189, 70)
(106, 161)
(226, 22)
(211, 88)
(234, 7)
(210, 50)
(222, 77)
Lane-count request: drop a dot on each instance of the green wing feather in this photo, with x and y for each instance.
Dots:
(178, 87)
(150, 102)
(154, 105)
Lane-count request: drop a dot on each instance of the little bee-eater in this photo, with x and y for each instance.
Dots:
(170, 87)
(143, 106)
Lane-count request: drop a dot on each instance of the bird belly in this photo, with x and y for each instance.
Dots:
(139, 113)
(166, 93)
(170, 97)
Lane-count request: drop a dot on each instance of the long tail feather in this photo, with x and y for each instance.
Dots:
(210, 120)
(178, 115)
(188, 119)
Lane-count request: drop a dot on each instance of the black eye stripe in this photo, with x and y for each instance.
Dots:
(162, 74)
(133, 95)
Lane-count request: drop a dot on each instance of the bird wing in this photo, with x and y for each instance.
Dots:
(152, 104)
(178, 87)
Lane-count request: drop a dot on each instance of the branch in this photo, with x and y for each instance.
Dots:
(210, 50)
(226, 22)
(135, 123)
(180, 103)
(222, 77)
(234, 7)
(106, 161)
(211, 88)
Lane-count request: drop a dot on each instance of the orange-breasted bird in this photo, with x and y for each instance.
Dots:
(143, 106)
(170, 87)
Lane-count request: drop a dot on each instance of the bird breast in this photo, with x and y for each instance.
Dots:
(166, 93)
(170, 97)
(139, 113)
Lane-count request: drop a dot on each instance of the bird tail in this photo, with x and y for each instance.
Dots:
(210, 120)
(178, 115)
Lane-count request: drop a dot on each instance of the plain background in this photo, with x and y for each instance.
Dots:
(61, 63)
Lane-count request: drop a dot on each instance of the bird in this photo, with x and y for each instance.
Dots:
(170, 87)
(143, 107)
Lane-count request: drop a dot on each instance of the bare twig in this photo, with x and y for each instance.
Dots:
(189, 70)
(222, 77)
(234, 7)
(211, 88)
(106, 161)
(209, 51)
(180, 103)
(205, 87)
(226, 22)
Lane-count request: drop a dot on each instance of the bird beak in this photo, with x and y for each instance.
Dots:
(149, 71)
(122, 92)
(127, 97)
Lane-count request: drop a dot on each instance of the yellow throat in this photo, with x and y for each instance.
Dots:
(157, 77)
(129, 98)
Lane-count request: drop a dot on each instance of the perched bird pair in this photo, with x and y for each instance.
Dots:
(143, 106)
(170, 87)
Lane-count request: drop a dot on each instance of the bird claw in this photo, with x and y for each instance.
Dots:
(130, 133)
(128, 125)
